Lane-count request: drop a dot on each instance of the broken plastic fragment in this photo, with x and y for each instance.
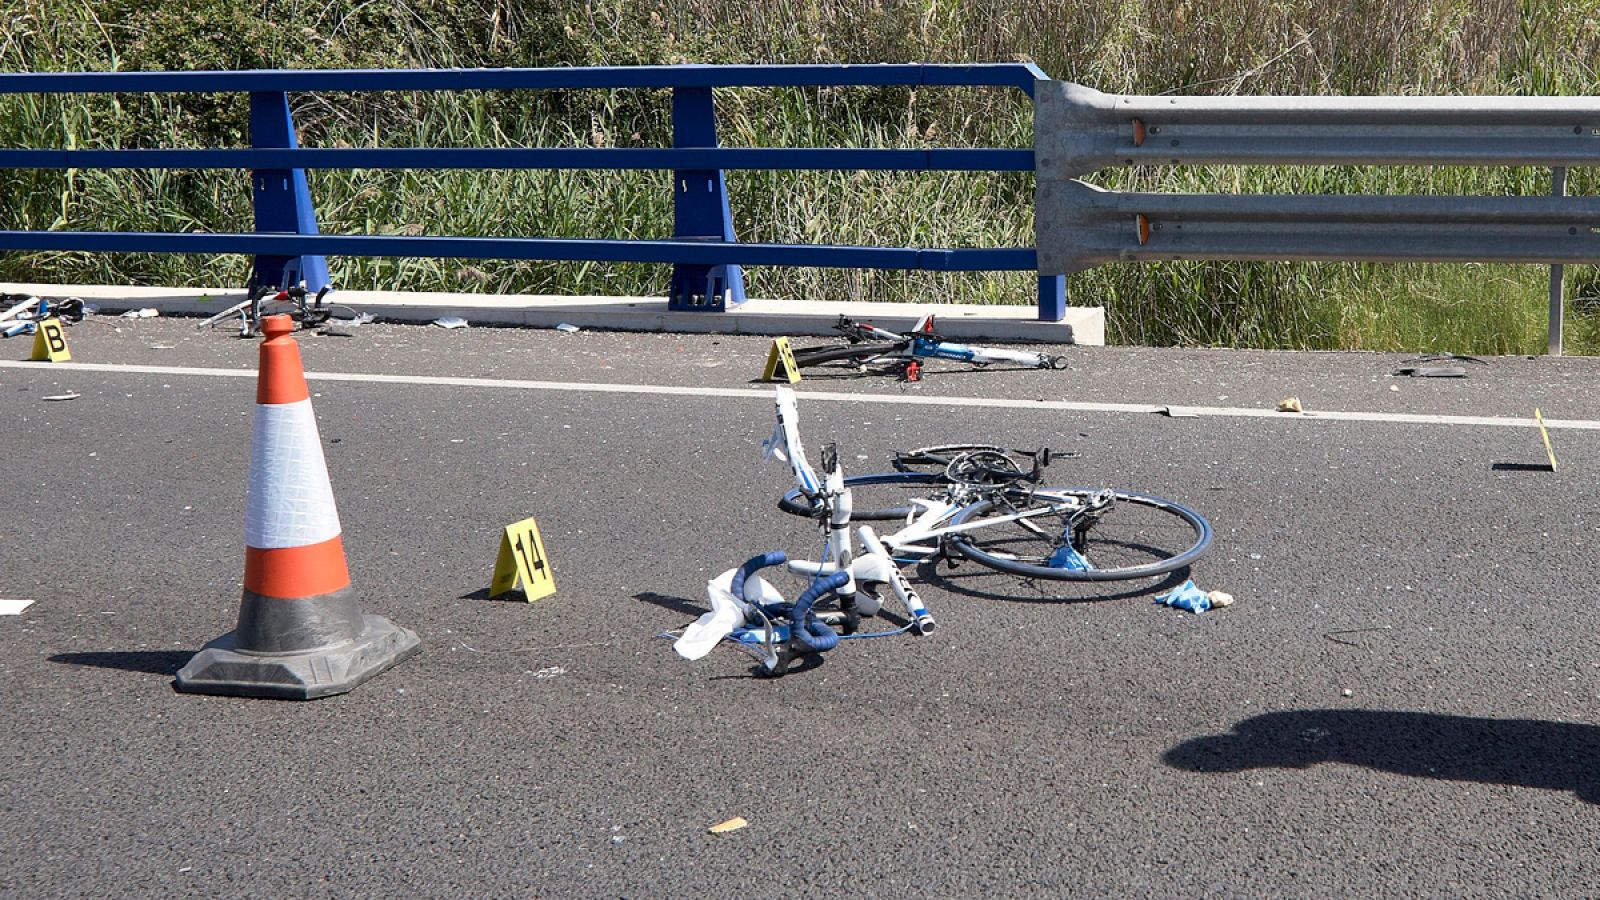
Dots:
(14, 607)
(1290, 404)
(569, 329)
(148, 312)
(66, 396)
(733, 824)
(450, 322)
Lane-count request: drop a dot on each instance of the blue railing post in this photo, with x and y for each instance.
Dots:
(281, 197)
(1052, 298)
(700, 210)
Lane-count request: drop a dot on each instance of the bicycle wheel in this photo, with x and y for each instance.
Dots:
(935, 459)
(855, 354)
(878, 497)
(1134, 536)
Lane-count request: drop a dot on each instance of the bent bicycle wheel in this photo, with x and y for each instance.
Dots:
(1135, 536)
(935, 459)
(877, 497)
(855, 354)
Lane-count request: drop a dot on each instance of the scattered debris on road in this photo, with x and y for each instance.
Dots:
(1189, 596)
(733, 824)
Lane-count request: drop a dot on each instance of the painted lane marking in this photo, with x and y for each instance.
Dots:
(887, 399)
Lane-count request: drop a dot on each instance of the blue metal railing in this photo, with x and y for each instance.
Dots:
(705, 255)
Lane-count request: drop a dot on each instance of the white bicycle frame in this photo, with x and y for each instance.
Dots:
(926, 524)
(873, 565)
(921, 338)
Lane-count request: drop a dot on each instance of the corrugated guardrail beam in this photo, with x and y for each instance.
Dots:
(1090, 226)
(1078, 131)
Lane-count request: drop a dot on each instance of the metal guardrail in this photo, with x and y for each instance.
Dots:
(706, 256)
(1079, 131)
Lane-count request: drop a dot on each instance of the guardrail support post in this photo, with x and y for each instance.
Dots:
(1052, 298)
(281, 197)
(1558, 188)
(700, 210)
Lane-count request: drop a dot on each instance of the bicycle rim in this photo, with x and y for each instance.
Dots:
(1139, 536)
(880, 496)
(934, 459)
(858, 354)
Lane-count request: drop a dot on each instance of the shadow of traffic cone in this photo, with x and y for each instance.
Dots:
(301, 633)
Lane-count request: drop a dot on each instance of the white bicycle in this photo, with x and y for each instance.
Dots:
(978, 502)
(845, 584)
(868, 345)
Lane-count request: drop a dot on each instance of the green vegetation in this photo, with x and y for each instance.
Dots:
(1143, 46)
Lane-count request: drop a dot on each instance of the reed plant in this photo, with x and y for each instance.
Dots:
(1510, 47)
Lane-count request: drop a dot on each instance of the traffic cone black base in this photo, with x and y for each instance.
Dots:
(222, 668)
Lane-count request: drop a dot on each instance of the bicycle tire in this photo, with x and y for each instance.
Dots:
(858, 354)
(939, 456)
(1119, 548)
(882, 504)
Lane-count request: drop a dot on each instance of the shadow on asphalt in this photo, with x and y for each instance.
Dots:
(153, 662)
(972, 580)
(1517, 752)
(1521, 467)
(669, 602)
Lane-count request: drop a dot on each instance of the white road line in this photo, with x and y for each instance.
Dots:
(1240, 412)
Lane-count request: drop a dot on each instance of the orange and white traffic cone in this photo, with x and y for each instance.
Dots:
(301, 633)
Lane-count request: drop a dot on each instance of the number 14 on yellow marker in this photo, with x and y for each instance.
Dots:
(522, 557)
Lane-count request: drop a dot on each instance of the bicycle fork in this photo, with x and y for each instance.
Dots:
(878, 557)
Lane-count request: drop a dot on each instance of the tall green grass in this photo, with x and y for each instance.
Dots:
(1143, 46)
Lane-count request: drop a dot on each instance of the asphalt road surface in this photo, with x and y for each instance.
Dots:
(1399, 703)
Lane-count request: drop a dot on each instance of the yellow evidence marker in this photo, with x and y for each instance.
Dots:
(781, 356)
(1548, 450)
(522, 557)
(50, 342)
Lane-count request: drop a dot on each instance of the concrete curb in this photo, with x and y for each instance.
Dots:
(1083, 325)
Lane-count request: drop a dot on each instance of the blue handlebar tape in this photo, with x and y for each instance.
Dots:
(817, 589)
(809, 631)
(751, 566)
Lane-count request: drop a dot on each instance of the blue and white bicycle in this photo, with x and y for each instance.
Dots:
(846, 584)
(973, 502)
(868, 345)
